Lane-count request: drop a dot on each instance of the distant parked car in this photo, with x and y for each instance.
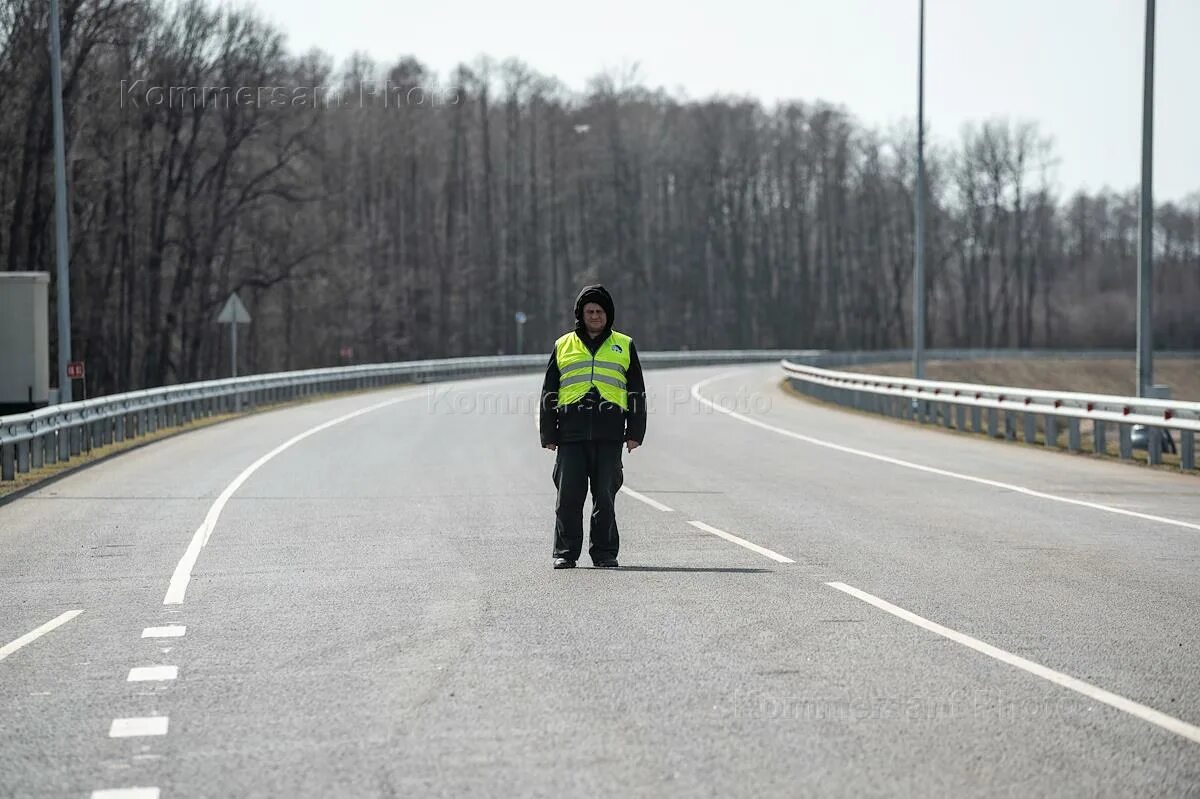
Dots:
(1141, 439)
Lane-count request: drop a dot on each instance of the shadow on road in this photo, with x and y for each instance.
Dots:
(731, 570)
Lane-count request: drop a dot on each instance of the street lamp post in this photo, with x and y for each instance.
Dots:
(63, 290)
(1145, 330)
(919, 238)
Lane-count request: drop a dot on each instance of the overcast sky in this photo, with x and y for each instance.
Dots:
(1073, 66)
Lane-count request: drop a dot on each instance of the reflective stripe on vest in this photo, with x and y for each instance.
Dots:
(579, 370)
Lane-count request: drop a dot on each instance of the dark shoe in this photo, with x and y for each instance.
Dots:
(611, 563)
(563, 563)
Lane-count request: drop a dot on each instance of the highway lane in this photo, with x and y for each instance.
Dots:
(374, 613)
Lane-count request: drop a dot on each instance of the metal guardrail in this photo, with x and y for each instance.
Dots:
(61, 432)
(950, 404)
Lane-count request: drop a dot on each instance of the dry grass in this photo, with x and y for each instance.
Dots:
(1107, 376)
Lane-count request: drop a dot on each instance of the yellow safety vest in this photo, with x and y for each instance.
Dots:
(579, 370)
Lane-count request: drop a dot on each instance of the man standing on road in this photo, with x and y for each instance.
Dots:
(593, 401)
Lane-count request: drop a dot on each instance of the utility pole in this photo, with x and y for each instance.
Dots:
(1145, 328)
(919, 243)
(63, 290)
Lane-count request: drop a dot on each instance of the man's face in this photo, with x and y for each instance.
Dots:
(594, 317)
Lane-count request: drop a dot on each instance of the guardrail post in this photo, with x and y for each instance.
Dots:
(1154, 445)
(23, 456)
(1187, 449)
(960, 417)
(993, 423)
(39, 452)
(1010, 427)
(1099, 438)
(8, 462)
(77, 439)
(1126, 435)
(1051, 431)
(976, 417)
(1030, 424)
(1073, 434)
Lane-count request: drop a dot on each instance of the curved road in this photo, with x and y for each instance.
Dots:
(810, 602)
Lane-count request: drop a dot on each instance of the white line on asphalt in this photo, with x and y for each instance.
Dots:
(933, 470)
(138, 727)
(152, 673)
(1137, 709)
(654, 503)
(183, 571)
(33, 635)
(741, 542)
(126, 793)
(169, 631)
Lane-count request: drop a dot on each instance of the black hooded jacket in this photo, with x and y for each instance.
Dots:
(593, 418)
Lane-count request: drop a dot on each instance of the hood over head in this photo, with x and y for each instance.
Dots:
(598, 294)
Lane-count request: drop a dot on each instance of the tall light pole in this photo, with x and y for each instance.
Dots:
(63, 291)
(1145, 331)
(919, 241)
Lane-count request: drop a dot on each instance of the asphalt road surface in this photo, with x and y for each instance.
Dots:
(354, 598)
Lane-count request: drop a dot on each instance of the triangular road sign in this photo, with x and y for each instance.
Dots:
(234, 311)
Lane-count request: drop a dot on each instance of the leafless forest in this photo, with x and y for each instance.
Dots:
(369, 212)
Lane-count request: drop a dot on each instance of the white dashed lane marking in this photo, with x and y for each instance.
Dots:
(152, 673)
(138, 727)
(169, 631)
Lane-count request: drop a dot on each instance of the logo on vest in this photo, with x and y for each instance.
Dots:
(617, 348)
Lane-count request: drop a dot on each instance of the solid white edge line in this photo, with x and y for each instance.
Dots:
(33, 635)
(138, 727)
(654, 503)
(931, 469)
(740, 542)
(1158, 718)
(183, 571)
(169, 631)
(126, 793)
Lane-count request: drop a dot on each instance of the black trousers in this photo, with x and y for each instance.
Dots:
(577, 464)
